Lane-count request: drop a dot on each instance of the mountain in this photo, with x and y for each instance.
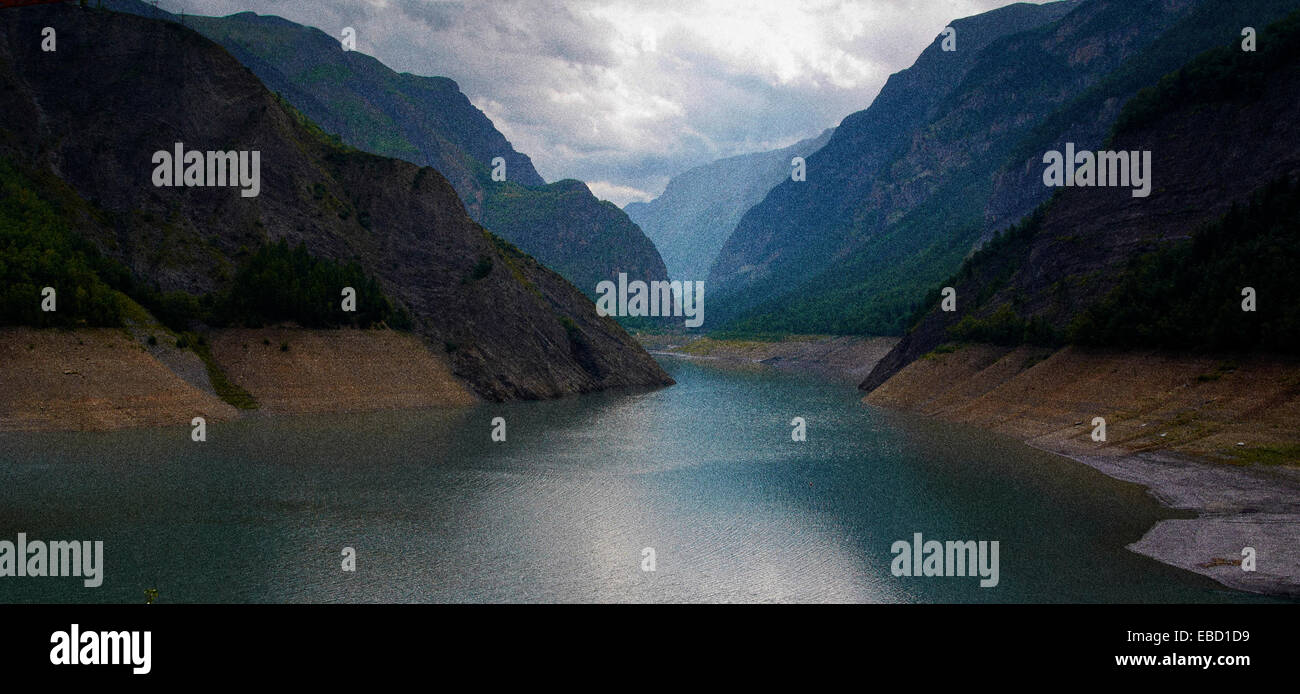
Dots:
(700, 207)
(1087, 119)
(85, 126)
(584, 239)
(879, 165)
(428, 121)
(905, 190)
(424, 120)
(1096, 266)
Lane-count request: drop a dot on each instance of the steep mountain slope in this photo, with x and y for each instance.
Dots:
(87, 120)
(1221, 129)
(947, 186)
(1087, 119)
(701, 207)
(428, 121)
(424, 120)
(586, 240)
(802, 228)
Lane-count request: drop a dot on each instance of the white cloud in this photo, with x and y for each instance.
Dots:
(617, 194)
(625, 93)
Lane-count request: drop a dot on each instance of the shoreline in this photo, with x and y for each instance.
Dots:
(839, 358)
(1237, 505)
(109, 379)
(1177, 425)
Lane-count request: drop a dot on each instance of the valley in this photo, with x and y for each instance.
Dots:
(1038, 292)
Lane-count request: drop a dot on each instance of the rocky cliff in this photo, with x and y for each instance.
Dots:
(880, 163)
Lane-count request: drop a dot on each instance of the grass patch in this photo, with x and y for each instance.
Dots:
(226, 389)
(1033, 360)
(705, 346)
(1288, 454)
(1223, 369)
(945, 348)
(755, 336)
(513, 257)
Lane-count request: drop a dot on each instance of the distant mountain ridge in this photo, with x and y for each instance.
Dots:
(700, 207)
(948, 154)
(428, 121)
(879, 164)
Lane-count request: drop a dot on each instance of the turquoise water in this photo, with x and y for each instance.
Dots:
(704, 472)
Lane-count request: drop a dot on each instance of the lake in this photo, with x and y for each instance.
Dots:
(704, 472)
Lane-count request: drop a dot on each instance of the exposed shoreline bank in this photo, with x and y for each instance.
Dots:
(106, 379)
(839, 358)
(1201, 433)
(1236, 507)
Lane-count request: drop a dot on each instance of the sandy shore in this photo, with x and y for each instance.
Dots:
(336, 370)
(95, 379)
(104, 379)
(1210, 435)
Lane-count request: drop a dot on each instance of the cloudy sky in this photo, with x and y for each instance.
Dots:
(623, 94)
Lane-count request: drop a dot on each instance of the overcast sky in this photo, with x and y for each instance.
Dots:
(623, 94)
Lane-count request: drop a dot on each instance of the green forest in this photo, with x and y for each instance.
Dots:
(38, 250)
(1222, 74)
(275, 283)
(1189, 295)
(278, 283)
